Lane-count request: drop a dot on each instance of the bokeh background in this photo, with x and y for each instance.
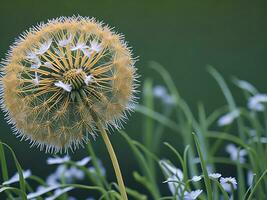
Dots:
(183, 36)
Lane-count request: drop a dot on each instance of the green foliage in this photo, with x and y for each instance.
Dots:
(189, 171)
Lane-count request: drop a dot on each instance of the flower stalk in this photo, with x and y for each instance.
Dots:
(114, 161)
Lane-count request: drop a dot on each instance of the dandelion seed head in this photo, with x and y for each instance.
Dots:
(61, 77)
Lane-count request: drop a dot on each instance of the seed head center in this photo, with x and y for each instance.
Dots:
(75, 77)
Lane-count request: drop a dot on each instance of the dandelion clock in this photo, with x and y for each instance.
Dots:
(65, 80)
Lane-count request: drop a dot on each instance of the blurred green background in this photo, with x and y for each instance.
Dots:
(184, 36)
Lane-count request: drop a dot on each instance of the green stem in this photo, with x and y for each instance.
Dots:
(113, 160)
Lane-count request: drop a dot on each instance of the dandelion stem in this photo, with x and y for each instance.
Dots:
(114, 161)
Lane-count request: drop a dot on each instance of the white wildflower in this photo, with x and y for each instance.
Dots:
(245, 86)
(257, 102)
(227, 183)
(44, 47)
(159, 91)
(84, 161)
(228, 118)
(59, 192)
(15, 178)
(215, 175)
(40, 191)
(64, 86)
(57, 160)
(192, 195)
(95, 46)
(234, 153)
(65, 42)
(88, 79)
(196, 178)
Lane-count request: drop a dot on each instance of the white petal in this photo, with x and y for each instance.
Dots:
(257, 102)
(84, 161)
(159, 91)
(215, 175)
(196, 178)
(64, 86)
(245, 86)
(57, 160)
(15, 178)
(192, 195)
(41, 191)
(44, 47)
(227, 182)
(228, 118)
(59, 192)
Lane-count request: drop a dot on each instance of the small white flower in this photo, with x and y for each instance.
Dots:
(84, 161)
(228, 118)
(88, 79)
(233, 152)
(59, 192)
(15, 178)
(36, 79)
(215, 175)
(159, 91)
(170, 170)
(227, 183)
(65, 42)
(40, 191)
(257, 102)
(245, 86)
(44, 47)
(73, 173)
(196, 178)
(95, 46)
(57, 160)
(192, 195)
(168, 100)
(64, 86)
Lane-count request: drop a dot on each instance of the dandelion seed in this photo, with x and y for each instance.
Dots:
(48, 64)
(88, 79)
(64, 86)
(196, 178)
(44, 47)
(228, 118)
(215, 175)
(14, 179)
(192, 195)
(36, 80)
(99, 80)
(227, 183)
(95, 46)
(65, 42)
(36, 63)
(235, 153)
(257, 102)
